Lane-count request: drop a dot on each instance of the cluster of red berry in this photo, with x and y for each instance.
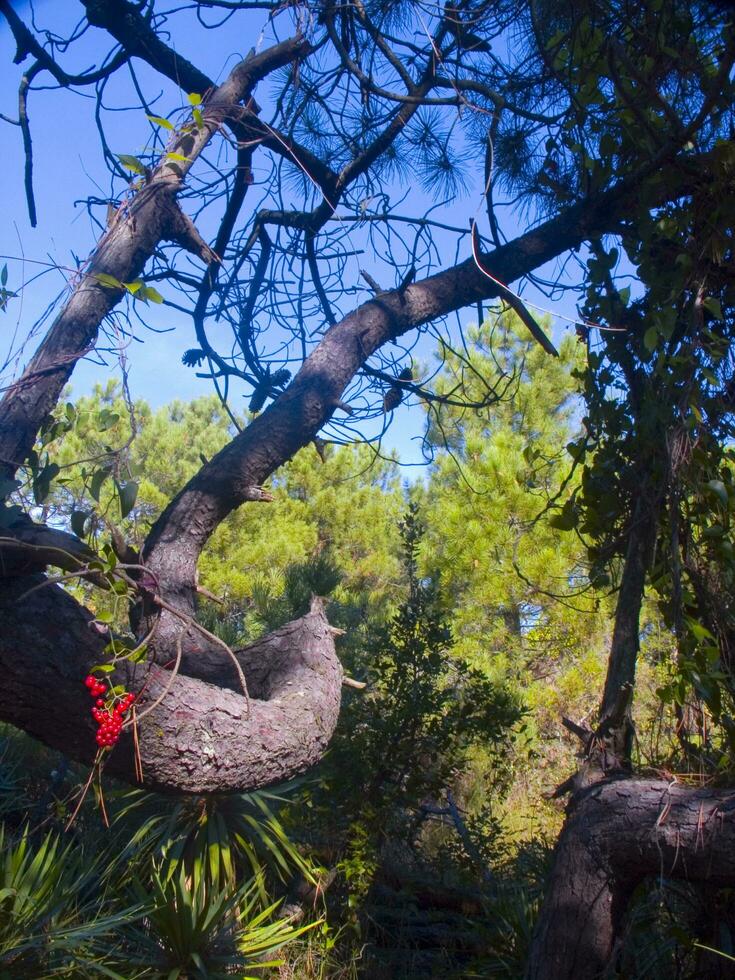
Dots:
(109, 718)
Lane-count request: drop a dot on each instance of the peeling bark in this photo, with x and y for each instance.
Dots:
(618, 833)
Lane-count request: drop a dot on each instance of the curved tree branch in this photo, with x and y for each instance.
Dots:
(201, 738)
(618, 833)
(151, 217)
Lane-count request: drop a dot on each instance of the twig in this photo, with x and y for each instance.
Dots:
(146, 711)
(84, 792)
(190, 621)
(351, 682)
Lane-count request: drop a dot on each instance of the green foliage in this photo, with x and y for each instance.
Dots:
(313, 542)
(425, 711)
(50, 898)
(426, 706)
(659, 430)
(517, 589)
(196, 928)
(184, 890)
(228, 836)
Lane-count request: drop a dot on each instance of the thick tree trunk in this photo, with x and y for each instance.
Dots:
(203, 737)
(618, 833)
(290, 422)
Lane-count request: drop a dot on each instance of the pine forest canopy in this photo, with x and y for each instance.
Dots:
(300, 205)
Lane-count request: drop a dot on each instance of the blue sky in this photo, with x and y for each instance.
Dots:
(68, 167)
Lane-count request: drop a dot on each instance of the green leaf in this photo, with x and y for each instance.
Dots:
(177, 156)
(697, 630)
(4, 275)
(106, 419)
(713, 306)
(160, 121)
(577, 449)
(128, 493)
(109, 281)
(42, 481)
(718, 488)
(194, 98)
(714, 531)
(98, 479)
(650, 339)
(5, 295)
(149, 292)
(132, 163)
(78, 521)
(198, 118)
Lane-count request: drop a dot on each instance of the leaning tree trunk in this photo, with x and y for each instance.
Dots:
(200, 737)
(618, 833)
(598, 859)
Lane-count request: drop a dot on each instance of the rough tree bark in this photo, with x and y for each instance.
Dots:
(171, 552)
(204, 737)
(618, 833)
(225, 482)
